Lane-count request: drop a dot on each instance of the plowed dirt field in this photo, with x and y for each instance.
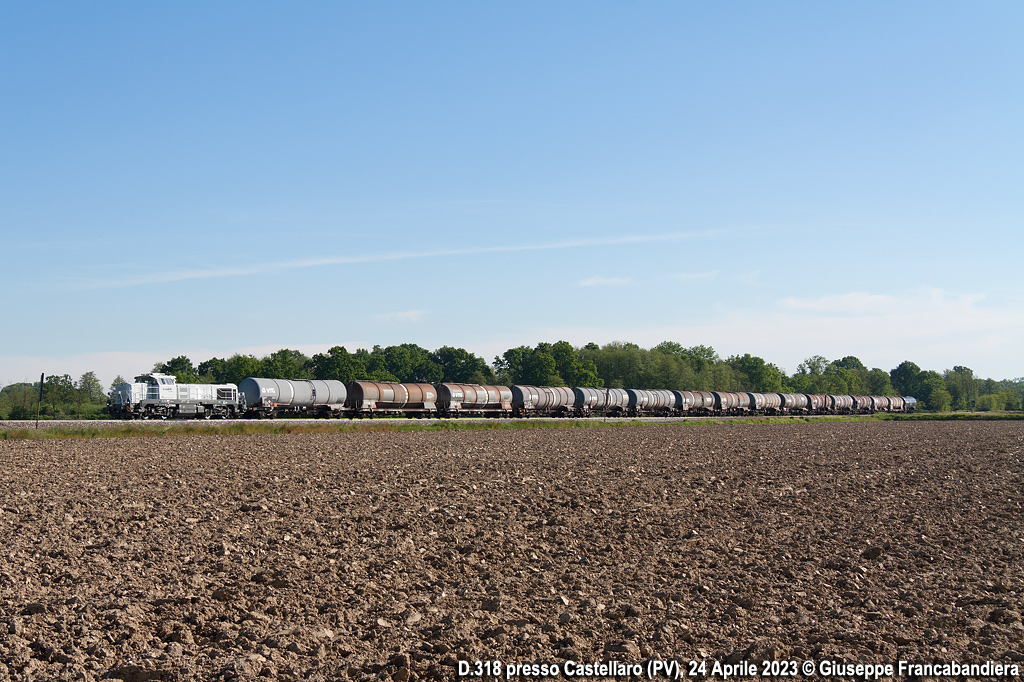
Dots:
(396, 555)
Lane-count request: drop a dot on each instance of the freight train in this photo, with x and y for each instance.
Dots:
(160, 396)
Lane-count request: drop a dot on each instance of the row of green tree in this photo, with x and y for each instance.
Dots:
(616, 365)
(62, 398)
(407, 363)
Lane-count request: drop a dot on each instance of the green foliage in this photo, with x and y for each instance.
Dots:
(574, 369)
(879, 383)
(669, 365)
(756, 375)
(212, 371)
(904, 376)
(239, 367)
(809, 376)
(58, 393)
(285, 364)
(407, 363)
(337, 364)
(230, 371)
(962, 387)
(701, 357)
(461, 367)
(530, 367)
(851, 363)
(90, 390)
(62, 398)
(182, 369)
(939, 401)
(1002, 400)
(18, 401)
(930, 388)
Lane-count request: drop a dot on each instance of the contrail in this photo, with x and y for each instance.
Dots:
(264, 268)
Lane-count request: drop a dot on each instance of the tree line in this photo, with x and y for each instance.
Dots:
(615, 365)
(62, 398)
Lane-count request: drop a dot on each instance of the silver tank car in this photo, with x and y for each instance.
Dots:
(727, 402)
(863, 403)
(684, 401)
(559, 399)
(370, 398)
(650, 401)
(599, 400)
(456, 399)
(795, 402)
(587, 400)
(843, 404)
(765, 403)
(819, 403)
(542, 400)
(703, 402)
(296, 397)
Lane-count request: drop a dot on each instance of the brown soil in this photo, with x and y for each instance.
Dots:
(394, 555)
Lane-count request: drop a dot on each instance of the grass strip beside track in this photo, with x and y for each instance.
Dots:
(191, 428)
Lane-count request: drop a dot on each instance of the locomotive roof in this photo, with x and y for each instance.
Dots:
(155, 378)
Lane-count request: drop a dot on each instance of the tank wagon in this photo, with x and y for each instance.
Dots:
(455, 400)
(863, 403)
(268, 398)
(609, 401)
(652, 403)
(159, 396)
(840, 404)
(728, 402)
(371, 398)
(542, 401)
(820, 404)
(766, 403)
(703, 403)
(794, 403)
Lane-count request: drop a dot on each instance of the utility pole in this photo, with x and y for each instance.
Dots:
(39, 404)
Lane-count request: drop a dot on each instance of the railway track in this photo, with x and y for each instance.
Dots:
(112, 423)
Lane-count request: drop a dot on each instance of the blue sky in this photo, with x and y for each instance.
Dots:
(781, 179)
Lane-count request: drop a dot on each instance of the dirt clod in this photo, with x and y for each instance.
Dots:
(392, 555)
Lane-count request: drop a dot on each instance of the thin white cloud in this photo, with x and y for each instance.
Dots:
(604, 281)
(266, 268)
(405, 316)
(692, 276)
(752, 278)
(864, 303)
(856, 303)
